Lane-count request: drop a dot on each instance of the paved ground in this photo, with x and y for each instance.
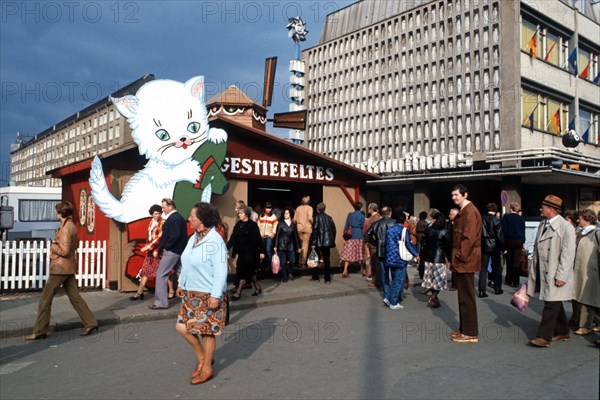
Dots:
(301, 340)
(18, 312)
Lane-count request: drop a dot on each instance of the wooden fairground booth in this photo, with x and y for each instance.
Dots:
(256, 166)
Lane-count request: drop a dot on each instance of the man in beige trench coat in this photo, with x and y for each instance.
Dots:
(551, 273)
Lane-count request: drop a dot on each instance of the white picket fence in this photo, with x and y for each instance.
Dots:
(26, 265)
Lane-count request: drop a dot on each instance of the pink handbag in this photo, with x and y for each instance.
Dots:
(520, 299)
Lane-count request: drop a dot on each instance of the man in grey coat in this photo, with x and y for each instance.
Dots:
(551, 272)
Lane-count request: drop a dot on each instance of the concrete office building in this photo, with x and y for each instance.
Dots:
(431, 93)
(94, 130)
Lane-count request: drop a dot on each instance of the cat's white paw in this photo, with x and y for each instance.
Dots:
(217, 135)
(96, 173)
(191, 171)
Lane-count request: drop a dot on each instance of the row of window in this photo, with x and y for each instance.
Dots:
(544, 43)
(83, 127)
(376, 127)
(437, 69)
(365, 97)
(547, 114)
(57, 147)
(342, 149)
(460, 17)
(460, 45)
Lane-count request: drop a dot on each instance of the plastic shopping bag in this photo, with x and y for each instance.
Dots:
(520, 299)
(275, 264)
(313, 259)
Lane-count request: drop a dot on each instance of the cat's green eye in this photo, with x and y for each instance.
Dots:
(194, 127)
(162, 135)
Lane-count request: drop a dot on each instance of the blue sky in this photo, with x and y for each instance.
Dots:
(58, 57)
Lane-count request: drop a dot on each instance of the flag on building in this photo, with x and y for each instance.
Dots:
(533, 45)
(530, 118)
(586, 71)
(556, 120)
(572, 125)
(597, 78)
(586, 136)
(573, 60)
(551, 48)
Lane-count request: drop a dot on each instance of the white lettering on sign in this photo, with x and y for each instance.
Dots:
(280, 169)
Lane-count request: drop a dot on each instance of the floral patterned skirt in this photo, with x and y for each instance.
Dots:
(198, 318)
(150, 266)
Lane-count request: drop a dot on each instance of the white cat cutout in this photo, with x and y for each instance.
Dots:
(169, 123)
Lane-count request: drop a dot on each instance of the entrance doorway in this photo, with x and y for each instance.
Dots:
(282, 194)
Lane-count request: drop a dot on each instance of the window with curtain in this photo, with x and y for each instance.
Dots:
(583, 59)
(529, 102)
(552, 48)
(588, 65)
(37, 210)
(528, 29)
(554, 117)
(588, 123)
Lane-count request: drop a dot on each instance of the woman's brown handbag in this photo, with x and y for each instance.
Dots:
(523, 264)
(347, 234)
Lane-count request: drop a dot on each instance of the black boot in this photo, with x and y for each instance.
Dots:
(482, 294)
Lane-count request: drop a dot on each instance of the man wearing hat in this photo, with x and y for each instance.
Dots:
(551, 272)
(267, 225)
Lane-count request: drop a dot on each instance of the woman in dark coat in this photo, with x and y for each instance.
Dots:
(436, 245)
(248, 246)
(287, 244)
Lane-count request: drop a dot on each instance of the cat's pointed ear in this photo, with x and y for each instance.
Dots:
(126, 105)
(195, 86)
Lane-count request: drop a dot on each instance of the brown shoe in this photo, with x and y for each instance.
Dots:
(462, 338)
(596, 328)
(583, 331)
(561, 338)
(455, 334)
(539, 342)
(35, 336)
(88, 331)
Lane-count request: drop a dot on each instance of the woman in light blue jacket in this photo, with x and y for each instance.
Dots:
(202, 288)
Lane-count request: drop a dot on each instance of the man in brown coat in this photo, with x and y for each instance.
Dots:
(466, 260)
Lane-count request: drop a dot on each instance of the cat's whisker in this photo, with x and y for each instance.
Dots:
(164, 148)
(199, 138)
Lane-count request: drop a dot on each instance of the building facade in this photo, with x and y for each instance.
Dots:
(94, 130)
(442, 91)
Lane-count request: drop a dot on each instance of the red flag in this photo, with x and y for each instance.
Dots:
(586, 70)
(551, 48)
(556, 120)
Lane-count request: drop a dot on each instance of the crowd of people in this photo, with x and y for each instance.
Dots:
(384, 242)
